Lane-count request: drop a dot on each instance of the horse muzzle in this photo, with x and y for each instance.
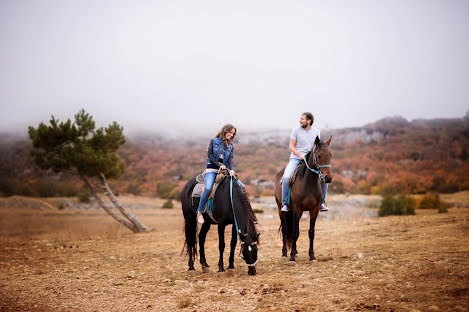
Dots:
(327, 179)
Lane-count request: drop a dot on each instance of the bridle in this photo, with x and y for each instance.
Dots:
(315, 164)
(249, 248)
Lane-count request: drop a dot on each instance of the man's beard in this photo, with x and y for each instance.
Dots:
(304, 126)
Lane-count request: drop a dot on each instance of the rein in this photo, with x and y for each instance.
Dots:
(237, 228)
(315, 163)
(232, 206)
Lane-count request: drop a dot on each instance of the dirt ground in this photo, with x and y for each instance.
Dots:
(82, 260)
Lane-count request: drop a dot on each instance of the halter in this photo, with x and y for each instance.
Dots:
(315, 163)
(242, 257)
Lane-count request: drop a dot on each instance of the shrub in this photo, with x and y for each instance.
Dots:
(168, 204)
(337, 187)
(25, 189)
(396, 205)
(133, 189)
(430, 201)
(267, 192)
(164, 190)
(450, 187)
(6, 186)
(84, 196)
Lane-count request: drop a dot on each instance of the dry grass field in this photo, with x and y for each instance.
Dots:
(82, 260)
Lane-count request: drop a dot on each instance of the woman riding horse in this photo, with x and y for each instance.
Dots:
(220, 157)
(230, 206)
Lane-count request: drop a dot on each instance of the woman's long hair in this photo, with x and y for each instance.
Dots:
(221, 134)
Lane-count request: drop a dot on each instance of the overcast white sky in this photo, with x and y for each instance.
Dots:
(191, 65)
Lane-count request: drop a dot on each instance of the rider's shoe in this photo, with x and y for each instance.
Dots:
(324, 207)
(284, 208)
(200, 217)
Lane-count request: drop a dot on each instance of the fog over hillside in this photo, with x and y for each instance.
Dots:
(369, 132)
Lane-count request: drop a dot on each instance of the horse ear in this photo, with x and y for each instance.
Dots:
(329, 141)
(317, 141)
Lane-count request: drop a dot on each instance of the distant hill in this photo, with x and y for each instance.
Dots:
(391, 155)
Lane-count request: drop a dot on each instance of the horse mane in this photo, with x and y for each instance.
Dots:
(302, 170)
(251, 216)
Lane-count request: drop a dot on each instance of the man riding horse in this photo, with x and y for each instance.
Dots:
(310, 165)
(301, 142)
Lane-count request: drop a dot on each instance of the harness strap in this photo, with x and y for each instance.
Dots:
(209, 209)
(314, 170)
(318, 172)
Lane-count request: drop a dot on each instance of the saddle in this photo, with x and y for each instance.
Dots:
(294, 174)
(200, 187)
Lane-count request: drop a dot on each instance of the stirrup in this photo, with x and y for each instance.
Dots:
(284, 208)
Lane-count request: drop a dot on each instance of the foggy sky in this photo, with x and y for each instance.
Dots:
(196, 65)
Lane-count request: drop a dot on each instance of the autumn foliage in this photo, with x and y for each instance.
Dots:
(390, 156)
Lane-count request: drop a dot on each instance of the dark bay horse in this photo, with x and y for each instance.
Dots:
(306, 195)
(223, 214)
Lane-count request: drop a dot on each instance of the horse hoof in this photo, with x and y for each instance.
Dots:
(313, 260)
(291, 263)
(283, 258)
(206, 269)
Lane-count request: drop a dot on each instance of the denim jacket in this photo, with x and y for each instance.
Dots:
(215, 149)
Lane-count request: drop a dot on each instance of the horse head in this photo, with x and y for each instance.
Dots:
(320, 157)
(249, 251)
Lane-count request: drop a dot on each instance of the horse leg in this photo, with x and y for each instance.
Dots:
(202, 236)
(312, 223)
(296, 234)
(234, 241)
(284, 235)
(191, 259)
(190, 231)
(221, 246)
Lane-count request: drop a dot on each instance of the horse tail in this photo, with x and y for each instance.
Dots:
(190, 220)
(290, 222)
(286, 227)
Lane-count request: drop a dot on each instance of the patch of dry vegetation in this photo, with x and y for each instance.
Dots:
(81, 260)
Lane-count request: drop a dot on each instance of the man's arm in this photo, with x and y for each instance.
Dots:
(294, 150)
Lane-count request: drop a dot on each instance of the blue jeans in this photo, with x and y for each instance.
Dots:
(292, 164)
(209, 180)
(324, 191)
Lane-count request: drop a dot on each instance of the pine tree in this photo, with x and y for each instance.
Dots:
(82, 149)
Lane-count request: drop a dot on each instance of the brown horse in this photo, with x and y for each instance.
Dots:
(306, 195)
